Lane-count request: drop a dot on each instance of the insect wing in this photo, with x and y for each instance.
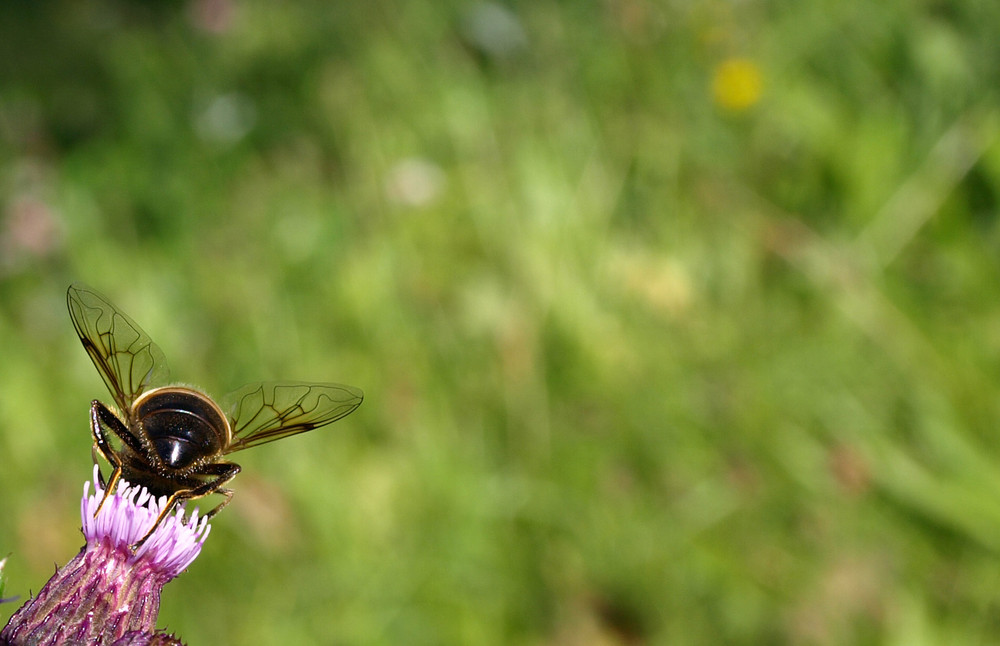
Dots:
(264, 412)
(128, 360)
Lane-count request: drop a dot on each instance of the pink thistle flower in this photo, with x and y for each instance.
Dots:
(109, 593)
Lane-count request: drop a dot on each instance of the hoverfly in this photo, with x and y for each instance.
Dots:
(174, 438)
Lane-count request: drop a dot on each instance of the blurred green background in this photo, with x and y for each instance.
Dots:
(679, 322)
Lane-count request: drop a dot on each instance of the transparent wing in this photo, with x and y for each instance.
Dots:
(265, 412)
(128, 360)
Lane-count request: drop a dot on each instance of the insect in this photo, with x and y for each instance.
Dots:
(174, 439)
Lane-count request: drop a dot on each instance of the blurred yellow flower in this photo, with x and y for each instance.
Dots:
(736, 83)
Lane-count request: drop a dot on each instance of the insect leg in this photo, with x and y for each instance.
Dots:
(225, 471)
(100, 476)
(102, 420)
(99, 413)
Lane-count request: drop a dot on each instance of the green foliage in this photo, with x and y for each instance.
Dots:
(651, 354)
